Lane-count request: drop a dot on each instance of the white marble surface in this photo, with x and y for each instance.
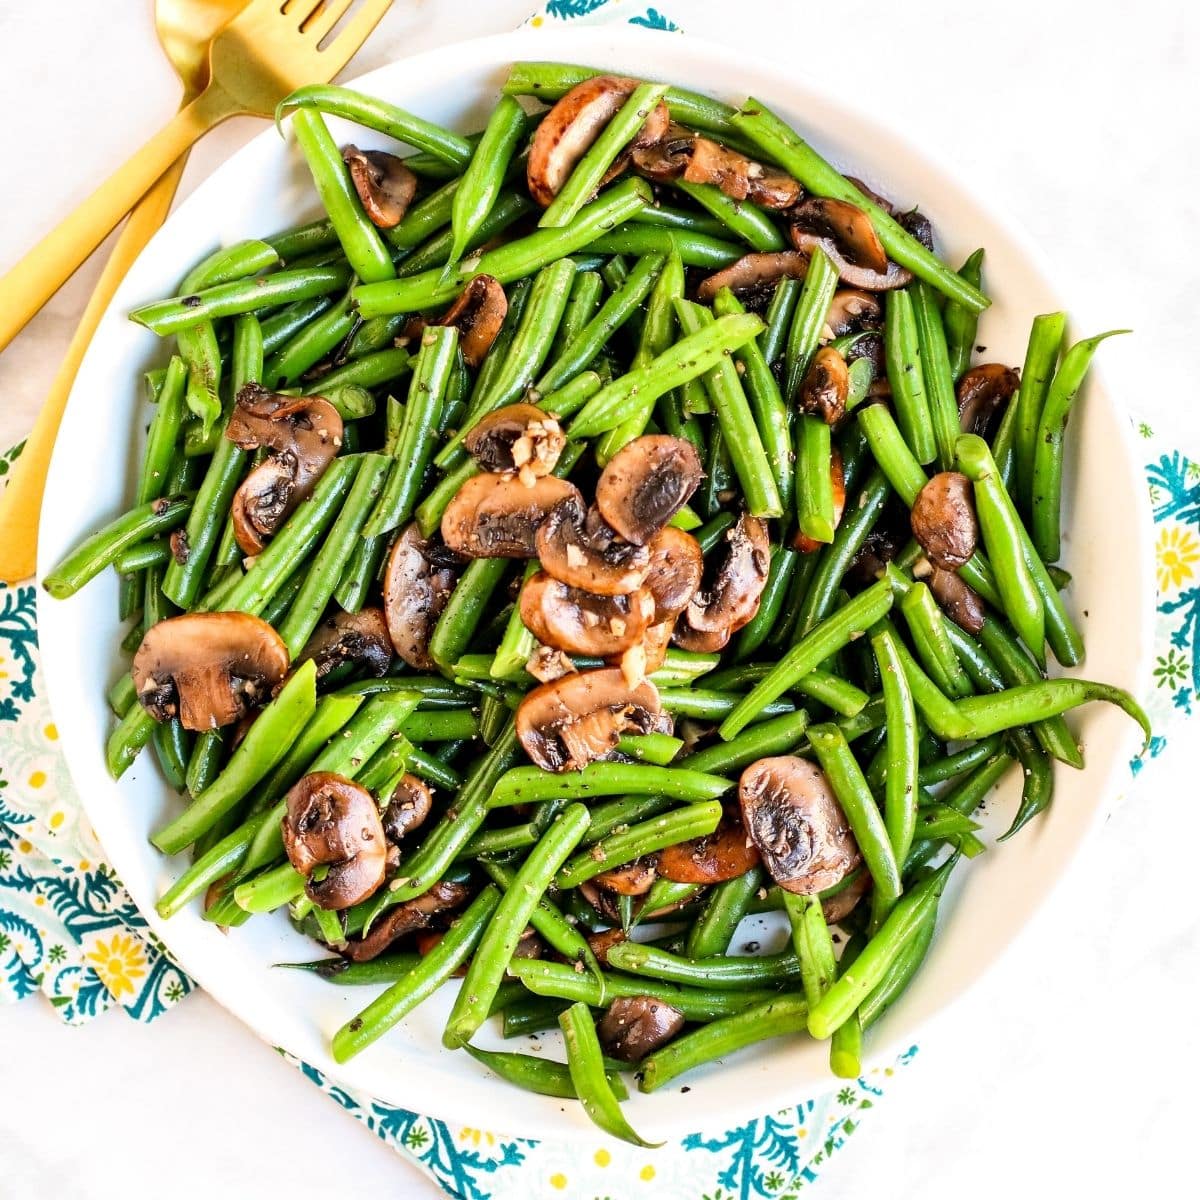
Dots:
(1072, 1068)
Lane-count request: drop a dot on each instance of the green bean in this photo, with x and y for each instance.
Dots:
(331, 715)
(746, 221)
(659, 749)
(1004, 448)
(1041, 361)
(709, 705)
(777, 1017)
(310, 345)
(200, 351)
(128, 740)
(718, 972)
(854, 796)
(370, 371)
(171, 750)
(137, 558)
(460, 618)
(695, 249)
(241, 296)
(940, 821)
(263, 746)
(524, 785)
(1037, 781)
(1046, 496)
(962, 324)
(813, 945)
(534, 1014)
(390, 762)
(588, 172)
(936, 375)
(900, 776)
(360, 573)
(906, 377)
(808, 320)
(94, 553)
(727, 904)
(814, 482)
(779, 315)
(900, 974)
(1002, 535)
(965, 797)
(388, 968)
(578, 354)
(506, 263)
(204, 763)
(269, 890)
(617, 815)
(302, 240)
(322, 578)
(586, 1065)
(511, 205)
(959, 763)
(433, 770)
(277, 607)
(802, 162)
(163, 435)
(587, 294)
(927, 628)
(684, 219)
(450, 726)
(614, 272)
(663, 894)
(779, 576)
(503, 931)
(534, 1074)
(778, 736)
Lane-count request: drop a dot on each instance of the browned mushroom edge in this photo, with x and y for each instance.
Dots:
(384, 184)
(580, 622)
(754, 274)
(825, 386)
(415, 591)
(497, 516)
(304, 434)
(478, 314)
(359, 638)
(516, 439)
(635, 1026)
(577, 547)
(837, 477)
(409, 917)
(982, 391)
(732, 597)
(851, 311)
(568, 130)
(944, 522)
(547, 664)
(792, 816)
(567, 723)
(957, 599)
(409, 805)
(726, 853)
(630, 879)
(331, 823)
(846, 235)
(208, 669)
(646, 483)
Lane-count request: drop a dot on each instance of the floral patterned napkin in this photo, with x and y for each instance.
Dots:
(69, 930)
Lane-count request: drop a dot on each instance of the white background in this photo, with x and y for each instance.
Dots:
(1074, 1067)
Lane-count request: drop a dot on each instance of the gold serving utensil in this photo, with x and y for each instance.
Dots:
(233, 56)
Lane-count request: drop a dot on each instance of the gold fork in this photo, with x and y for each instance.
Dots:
(265, 52)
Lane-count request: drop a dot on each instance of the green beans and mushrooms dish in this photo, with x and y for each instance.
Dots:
(582, 538)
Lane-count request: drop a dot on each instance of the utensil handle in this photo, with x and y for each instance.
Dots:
(21, 500)
(56, 257)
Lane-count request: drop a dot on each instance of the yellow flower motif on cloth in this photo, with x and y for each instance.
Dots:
(118, 963)
(475, 1136)
(1176, 553)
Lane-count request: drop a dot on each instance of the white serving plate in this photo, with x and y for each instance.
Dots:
(265, 188)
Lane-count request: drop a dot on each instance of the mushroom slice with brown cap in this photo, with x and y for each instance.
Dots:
(957, 599)
(732, 598)
(792, 816)
(842, 903)
(332, 822)
(675, 571)
(825, 386)
(646, 483)
(580, 622)
(572, 721)
(360, 638)
(568, 130)
(578, 548)
(478, 314)
(547, 664)
(847, 225)
(754, 273)
(415, 590)
(726, 853)
(208, 669)
(635, 1026)
(981, 393)
(304, 434)
(413, 915)
(384, 184)
(407, 809)
(852, 310)
(944, 521)
(630, 879)
(518, 438)
(497, 516)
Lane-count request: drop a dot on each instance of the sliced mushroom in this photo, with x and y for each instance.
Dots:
(655, 644)
(846, 235)
(568, 130)
(981, 393)
(684, 154)
(841, 904)
(409, 917)
(208, 669)
(635, 1026)
(360, 638)
(825, 386)
(518, 438)
(407, 809)
(580, 622)
(919, 225)
(548, 664)
(579, 548)
(415, 591)
(332, 822)
(632, 879)
(478, 313)
(754, 273)
(384, 184)
(850, 311)
(304, 434)
(957, 599)
(794, 819)
(732, 598)
(601, 943)
(572, 721)
(646, 483)
(497, 516)
(675, 571)
(837, 477)
(944, 522)
(726, 853)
